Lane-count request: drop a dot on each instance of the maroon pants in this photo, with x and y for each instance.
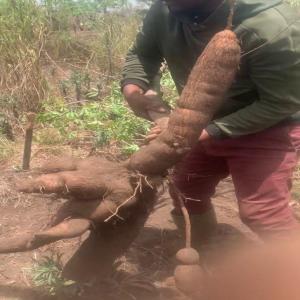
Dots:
(261, 166)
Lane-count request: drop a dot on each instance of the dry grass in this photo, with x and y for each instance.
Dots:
(22, 33)
(7, 149)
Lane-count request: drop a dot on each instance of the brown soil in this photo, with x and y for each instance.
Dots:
(115, 263)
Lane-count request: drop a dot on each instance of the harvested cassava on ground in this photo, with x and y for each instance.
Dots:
(87, 179)
(202, 96)
(99, 190)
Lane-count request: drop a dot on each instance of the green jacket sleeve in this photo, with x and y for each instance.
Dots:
(274, 69)
(144, 58)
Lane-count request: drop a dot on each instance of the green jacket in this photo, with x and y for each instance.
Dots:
(267, 87)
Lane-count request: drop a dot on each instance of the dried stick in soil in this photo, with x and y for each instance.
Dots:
(28, 141)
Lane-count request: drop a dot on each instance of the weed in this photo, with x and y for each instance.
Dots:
(130, 149)
(294, 2)
(168, 88)
(47, 273)
(48, 136)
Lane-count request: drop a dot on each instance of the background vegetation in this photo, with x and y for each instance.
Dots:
(62, 59)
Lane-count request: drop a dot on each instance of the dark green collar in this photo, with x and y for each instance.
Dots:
(244, 9)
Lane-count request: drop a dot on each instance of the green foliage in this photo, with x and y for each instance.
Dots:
(48, 136)
(92, 94)
(168, 88)
(37, 36)
(110, 119)
(294, 2)
(130, 149)
(35, 32)
(82, 7)
(47, 273)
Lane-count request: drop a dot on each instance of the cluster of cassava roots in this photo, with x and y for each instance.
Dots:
(103, 191)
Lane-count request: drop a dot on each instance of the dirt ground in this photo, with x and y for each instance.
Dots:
(122, 263)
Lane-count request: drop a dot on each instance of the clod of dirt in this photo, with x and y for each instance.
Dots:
(188, 256)
(188, 279)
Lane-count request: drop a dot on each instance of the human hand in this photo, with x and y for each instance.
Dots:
(204, 136)
(141, 103)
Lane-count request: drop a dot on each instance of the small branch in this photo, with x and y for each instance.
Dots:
(231, 14)
(123, 203)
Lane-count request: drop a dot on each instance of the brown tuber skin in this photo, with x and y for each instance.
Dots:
(102, 191)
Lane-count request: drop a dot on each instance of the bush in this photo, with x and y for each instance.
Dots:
(47, 273)
(110, 119)
(48, 136)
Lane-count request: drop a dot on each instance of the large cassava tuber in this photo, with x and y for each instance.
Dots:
(101, 190)
(185, 123)
(202, 96)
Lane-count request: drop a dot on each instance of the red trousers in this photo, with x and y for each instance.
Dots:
(261, 166)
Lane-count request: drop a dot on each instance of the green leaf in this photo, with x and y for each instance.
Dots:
(69, 282)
